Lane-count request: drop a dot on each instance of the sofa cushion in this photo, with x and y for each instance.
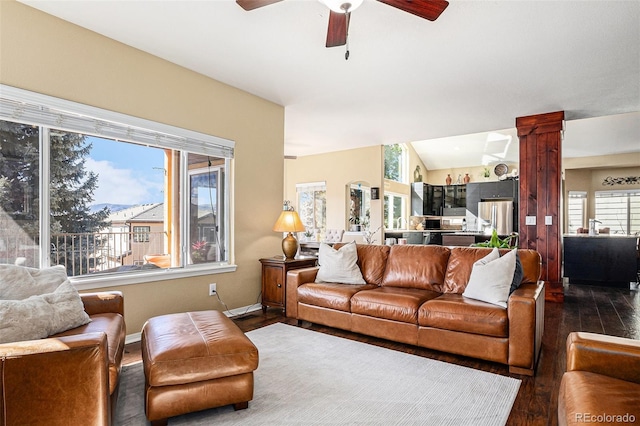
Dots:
(330, 295)
(416, 266)
(372, 261)
(456, 313)
(459, 267)
(583, 393)
(40, 316)
(517, 275)
(339, 266)
(392, 303)
(491, 281)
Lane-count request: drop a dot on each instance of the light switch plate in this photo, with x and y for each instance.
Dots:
(548, 220)
(530, 220)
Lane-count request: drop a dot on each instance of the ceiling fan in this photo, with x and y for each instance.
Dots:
(340, 15)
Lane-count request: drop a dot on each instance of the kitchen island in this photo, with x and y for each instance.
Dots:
(605, 260)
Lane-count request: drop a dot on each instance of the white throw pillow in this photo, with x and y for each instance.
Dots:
(339, 266)
(490, 281)
(19, 282)
(41, 316)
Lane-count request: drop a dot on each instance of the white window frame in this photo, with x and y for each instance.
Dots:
(576, 199)
(28, 107)
(390, 211)
(315, 187)
(404, 164)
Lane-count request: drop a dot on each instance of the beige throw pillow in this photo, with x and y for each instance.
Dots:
(491, 278)
(339, 266)
(19, 282)
(40, 316)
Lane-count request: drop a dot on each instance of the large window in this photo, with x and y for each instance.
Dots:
(312, 206)
(396, 163)
(577, 211)
(619, 211)
(103, 193)
(394, 211)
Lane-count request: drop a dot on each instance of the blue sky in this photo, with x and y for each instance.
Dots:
(127, 173)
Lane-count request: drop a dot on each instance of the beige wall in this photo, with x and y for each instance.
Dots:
(337, 169)
(44, 54)
(476, 174)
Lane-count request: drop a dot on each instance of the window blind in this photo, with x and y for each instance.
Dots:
(41, 110)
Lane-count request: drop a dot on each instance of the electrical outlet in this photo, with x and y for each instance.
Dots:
(212, 289)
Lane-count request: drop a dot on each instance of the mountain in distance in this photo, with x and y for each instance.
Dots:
(112, 207)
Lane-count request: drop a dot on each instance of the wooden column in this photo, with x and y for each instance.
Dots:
(540, 182)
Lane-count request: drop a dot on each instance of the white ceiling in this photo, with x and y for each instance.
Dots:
(474, 70)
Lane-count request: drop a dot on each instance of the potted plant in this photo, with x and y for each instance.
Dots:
(509, 242)
(199, 251)
(309, 235)
(486, 173)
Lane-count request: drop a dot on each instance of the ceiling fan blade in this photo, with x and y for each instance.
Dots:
(337, 31)
(427, 9)
(254, 4)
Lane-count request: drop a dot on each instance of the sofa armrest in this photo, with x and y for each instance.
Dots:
(295, 278)
(525, 309)
(103, 302)
(608, 355)
(43, 381)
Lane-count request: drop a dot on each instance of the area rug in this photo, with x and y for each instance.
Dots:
(309, 378)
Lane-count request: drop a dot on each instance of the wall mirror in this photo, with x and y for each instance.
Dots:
(358, 205)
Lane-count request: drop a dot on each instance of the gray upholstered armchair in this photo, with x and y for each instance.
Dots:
(333, 235)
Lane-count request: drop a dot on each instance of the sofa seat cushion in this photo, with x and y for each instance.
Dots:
(114, 327)
(392, 303)
(457, 313)
(330, 295)
(583, 393)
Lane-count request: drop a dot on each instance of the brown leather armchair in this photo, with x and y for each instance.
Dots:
(68, 378)
(602, 381)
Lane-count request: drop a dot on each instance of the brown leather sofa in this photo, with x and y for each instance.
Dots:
(602, 381)
(413, 295)
(68, 378)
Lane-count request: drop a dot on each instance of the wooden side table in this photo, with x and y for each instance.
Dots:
(274, 278)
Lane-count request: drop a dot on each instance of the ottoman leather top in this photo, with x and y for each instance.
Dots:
(195, 346)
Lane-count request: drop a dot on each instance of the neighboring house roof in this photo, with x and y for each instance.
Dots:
(124, 215)
(155, 213)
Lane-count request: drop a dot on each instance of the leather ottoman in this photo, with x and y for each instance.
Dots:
(194, 361)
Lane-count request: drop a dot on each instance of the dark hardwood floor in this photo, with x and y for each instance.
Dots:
(610, 311)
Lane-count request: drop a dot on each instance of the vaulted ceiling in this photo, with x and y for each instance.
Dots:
(467, 75)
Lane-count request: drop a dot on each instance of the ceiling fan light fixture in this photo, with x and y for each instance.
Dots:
(342, 6)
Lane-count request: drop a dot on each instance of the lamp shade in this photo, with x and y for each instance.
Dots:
(289, 221)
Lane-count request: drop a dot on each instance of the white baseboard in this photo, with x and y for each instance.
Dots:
(231, 313)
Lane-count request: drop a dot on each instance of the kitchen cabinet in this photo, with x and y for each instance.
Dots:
(438, 200)
(502, 189)
(426, 200)
(455, 200)
(458, 240)
(603, 260)
(499, 190)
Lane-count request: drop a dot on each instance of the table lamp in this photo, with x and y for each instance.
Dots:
(289, 221)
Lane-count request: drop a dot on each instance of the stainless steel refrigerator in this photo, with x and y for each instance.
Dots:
(496, 214)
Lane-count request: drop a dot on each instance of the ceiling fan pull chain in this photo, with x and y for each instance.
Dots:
(348, 17)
